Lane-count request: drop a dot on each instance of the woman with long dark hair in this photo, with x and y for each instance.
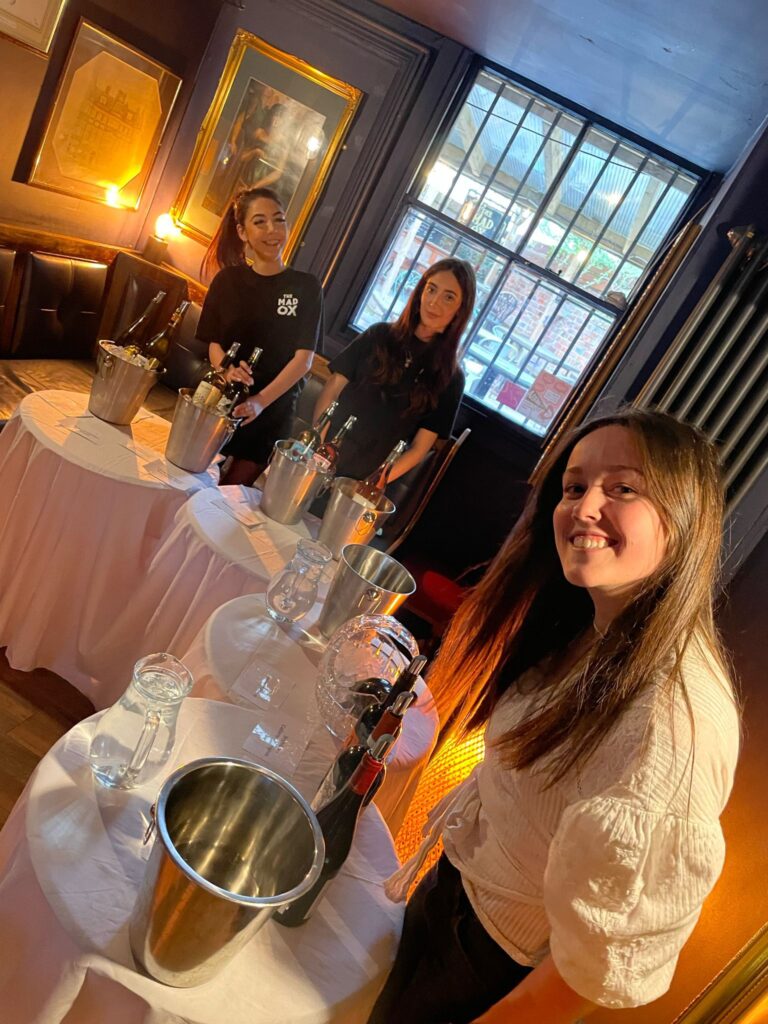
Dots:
(256, 300)
(402, 380)
(578, 853)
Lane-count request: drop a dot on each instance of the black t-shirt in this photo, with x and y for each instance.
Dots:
(382, 412)
(279, 313)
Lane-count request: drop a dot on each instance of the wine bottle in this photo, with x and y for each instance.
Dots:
(310, 438)
(367, 722)
(157, 348)
(131, 337)
(390, 724)
(211, 387)
(327, 454)
(235, 390)
(372, 488)
(337, 820)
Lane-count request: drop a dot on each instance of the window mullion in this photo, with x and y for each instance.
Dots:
(643, 226)
(617, 207)
(505, 150)
(544, 140)
(556, 182)
(587, 196)
(468, 154)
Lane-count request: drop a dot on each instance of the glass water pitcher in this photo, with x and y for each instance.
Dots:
(135, 737)
(293, 591)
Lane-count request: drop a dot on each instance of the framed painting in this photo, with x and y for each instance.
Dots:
(274, 122)
(108, 115)
(31, 23)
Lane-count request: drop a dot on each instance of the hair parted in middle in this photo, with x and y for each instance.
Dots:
(227, 248)
(440, 355)
(524, 611)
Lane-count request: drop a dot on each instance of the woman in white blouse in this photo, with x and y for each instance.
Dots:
(578, 853)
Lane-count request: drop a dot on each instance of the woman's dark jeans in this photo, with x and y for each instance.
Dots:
(448, 969)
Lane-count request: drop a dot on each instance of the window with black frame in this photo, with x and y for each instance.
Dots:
(558, 216)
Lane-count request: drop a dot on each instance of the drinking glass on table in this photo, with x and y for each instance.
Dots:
(293, 591)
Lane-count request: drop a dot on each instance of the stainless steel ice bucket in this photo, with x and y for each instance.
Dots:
(366, 581)
(347, 519)
(120, 386)
(198, 433)
(291, 485)
(233, 842)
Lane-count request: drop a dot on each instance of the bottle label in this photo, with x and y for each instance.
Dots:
(299, 450)
(206, 394)
(321, 463)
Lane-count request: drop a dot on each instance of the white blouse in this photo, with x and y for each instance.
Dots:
(608, 868)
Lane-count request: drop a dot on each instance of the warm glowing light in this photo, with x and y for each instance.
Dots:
(313, 145)
(581, 255)
(166, 227)
(112, 194)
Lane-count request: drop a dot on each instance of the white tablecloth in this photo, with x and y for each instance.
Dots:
(239, 643)
(71, 861)
(207, 557)
(83, 505)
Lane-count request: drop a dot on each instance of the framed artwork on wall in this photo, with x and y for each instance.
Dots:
(31, 23)
(106, 121)
(274, 122)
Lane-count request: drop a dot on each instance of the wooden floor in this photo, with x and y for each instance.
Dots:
(36, 708)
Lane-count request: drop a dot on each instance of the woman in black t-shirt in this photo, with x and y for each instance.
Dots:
(402, 380)
(260, 303)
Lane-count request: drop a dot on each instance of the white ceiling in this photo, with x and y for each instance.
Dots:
(689, 75)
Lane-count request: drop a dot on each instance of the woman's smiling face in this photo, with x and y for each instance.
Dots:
(609, 534)
(264, 229)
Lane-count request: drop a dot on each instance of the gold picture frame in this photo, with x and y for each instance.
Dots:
(31, 24)
(739, 993)
(108, 115)
(274, 121)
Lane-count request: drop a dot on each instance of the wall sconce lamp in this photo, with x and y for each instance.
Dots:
(156, 246)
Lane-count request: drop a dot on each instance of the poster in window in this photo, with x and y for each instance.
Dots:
(544, 398)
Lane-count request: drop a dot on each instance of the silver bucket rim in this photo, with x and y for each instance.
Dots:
(345, 484)
(185, 394)
(246, 901)
(103, 351)
(283, 445)
(344, 559)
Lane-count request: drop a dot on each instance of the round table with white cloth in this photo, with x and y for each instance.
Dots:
(240, 644)
(71, 863)
(220, 546)
(83, 504)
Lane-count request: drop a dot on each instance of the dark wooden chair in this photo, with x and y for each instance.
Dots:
(413, 491)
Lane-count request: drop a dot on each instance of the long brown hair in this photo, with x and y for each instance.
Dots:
(525, 611)
(227, 248)
(440, 354)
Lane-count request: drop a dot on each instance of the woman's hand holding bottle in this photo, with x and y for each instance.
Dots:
(241, 372)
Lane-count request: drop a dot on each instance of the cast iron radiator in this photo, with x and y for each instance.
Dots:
(715, 372)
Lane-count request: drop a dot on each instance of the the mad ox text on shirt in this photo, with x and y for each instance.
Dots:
(287, 304)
